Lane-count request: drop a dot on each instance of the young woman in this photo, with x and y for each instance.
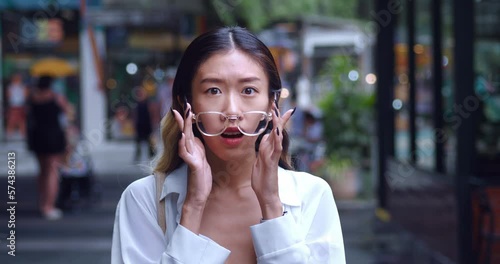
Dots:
(47, 140)
(230, 195)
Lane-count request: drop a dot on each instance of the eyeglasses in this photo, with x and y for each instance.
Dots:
(251, 123)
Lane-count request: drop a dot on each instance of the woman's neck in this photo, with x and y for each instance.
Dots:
(234, 173)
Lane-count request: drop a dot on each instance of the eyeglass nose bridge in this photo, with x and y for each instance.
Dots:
(232, 118)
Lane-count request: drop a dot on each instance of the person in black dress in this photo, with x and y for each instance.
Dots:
(48, 141)
(143, 124)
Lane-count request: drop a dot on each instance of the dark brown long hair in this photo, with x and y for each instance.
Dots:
(202, 48)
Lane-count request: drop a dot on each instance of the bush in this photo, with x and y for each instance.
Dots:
(348, 114)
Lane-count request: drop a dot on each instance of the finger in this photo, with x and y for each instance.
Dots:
(182, 148)
(178, 119)
(287, 116)
(182, 124)
(276, 117)
(266, 147)
(276, 135)
(277, 110)
(276, 143)
(188, 129)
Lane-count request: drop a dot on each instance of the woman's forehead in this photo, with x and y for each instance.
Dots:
(233, 64)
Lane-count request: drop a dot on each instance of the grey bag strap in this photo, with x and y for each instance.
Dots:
(159, 180)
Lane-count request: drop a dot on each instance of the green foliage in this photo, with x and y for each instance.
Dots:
(348, 114)
(256, 14)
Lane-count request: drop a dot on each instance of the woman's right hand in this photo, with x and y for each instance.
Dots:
(192, 151)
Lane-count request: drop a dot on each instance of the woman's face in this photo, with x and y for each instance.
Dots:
(232, 83)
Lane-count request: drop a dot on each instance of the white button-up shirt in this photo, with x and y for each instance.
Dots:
(309, 233)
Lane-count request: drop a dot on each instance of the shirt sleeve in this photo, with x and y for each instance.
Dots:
(137, 237)
(280, 240)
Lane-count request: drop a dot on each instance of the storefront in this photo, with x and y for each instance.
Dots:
(34, 40)
(439, 118)
(113, 48)
(141, 52)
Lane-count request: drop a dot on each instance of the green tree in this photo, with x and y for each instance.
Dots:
(256, 14)
(347, 113)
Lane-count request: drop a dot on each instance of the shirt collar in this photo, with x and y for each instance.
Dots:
(176, 182)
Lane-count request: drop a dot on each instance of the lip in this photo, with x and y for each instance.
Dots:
(231, 130)
(231, 142)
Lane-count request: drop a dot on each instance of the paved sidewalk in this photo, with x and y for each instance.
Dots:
(110, 159)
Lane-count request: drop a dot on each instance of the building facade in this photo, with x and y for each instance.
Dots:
(438, 92)
(113, 47)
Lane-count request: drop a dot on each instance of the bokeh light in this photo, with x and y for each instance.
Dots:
(131, 68)
(371, 78)
(353, 75)
(397, 104)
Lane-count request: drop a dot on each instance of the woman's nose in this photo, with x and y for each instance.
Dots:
(232, 107)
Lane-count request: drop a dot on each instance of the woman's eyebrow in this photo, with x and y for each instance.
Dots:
(211, 80)
(242, 80)
(249, 79)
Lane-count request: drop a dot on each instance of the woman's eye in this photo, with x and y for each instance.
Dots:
(249, 90)
(214, 90)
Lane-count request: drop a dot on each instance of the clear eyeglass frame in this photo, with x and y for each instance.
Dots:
(231, 118)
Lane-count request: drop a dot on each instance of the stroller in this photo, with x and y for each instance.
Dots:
(78, 186)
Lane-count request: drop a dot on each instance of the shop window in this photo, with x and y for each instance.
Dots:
(447, 136)
(487, 86)
(400, 103)
(425, 132)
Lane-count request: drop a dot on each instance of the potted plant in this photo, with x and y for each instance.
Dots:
(348, 121)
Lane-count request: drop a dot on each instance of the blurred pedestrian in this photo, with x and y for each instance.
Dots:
(313, 135)
(309, 147)
(47, 139)
(16, 111)
(143, 124)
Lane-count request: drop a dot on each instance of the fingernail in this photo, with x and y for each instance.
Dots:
(188, 111)
(278, 131)
(293, 112)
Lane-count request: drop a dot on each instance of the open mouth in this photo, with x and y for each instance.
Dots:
(232, 132)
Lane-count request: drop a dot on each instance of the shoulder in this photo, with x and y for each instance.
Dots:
(305, 186)
(304, 180)
(141, 192)
(140, 187)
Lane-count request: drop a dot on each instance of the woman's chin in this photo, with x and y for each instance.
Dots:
(229, 149)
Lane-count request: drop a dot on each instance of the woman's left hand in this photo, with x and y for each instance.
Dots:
(265, 169)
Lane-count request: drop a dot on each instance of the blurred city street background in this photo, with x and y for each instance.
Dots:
(398, 109)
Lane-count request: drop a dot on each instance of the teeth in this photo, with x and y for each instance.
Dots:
(232, 133)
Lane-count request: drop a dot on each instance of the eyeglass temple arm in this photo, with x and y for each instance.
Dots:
(276, 94)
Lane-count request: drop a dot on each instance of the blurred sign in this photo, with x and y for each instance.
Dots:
(41, 31)
(38, 30)
(38, 4)
(155, 41)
